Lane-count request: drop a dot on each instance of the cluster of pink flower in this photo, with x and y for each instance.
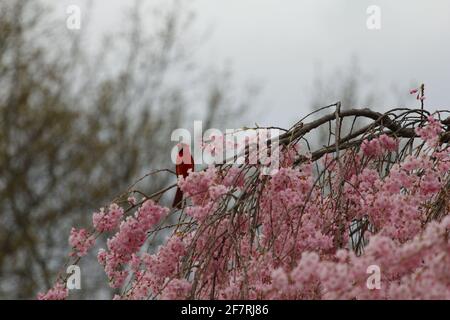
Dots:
(431, 132)
(58, 292)
(378, 146)
(128, 241)
(197, 184)
(294, 239)
(206, 188)
(159, 271)
(176, 289)
(107, 221)
(414, 270)
(81, 241)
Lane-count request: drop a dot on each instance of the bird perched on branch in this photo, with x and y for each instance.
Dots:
(184, 163)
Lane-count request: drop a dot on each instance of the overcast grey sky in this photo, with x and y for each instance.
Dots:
(280, 43)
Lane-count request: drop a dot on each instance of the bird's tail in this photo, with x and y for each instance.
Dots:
(178, 199)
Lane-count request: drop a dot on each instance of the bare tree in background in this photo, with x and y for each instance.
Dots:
(75, 128)
(352, 87)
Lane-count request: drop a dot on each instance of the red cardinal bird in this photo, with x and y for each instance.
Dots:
(183, 164)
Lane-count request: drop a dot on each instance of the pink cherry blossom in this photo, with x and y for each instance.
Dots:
(311, 230)
(107, 220)
(177, 289)
(58, 292)
(430, 133)
(81, 241)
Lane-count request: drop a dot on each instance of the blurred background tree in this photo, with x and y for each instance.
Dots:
(352, 87)
(79, 125)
